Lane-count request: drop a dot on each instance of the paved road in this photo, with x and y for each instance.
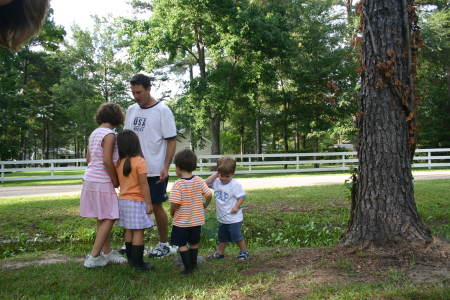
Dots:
(59, 190)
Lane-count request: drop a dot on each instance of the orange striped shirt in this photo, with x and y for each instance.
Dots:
(189, 192)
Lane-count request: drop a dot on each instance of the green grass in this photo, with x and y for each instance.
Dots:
(42, 227)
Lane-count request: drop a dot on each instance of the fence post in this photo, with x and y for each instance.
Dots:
(343, 161)
(52, 172)
(429, 160)
(3, 174)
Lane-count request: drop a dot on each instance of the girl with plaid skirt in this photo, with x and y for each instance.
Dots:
(135, 206)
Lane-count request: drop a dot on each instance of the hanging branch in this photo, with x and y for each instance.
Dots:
(408, 45)
(372, 37)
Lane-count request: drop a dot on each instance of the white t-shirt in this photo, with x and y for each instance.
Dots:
(154, 125)
(226, 197)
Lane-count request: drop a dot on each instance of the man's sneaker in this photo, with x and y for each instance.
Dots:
(122, 250)
(113, 257)
(160, 251)
(92, 262)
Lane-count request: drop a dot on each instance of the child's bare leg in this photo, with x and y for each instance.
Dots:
(102, 239)
(128, 235)
(182, 248)
(138, 237)
(193, 246)
(221, 248)
(242, 246)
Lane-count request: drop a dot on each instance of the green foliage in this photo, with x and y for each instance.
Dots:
(51, 35)
(286, 67)
(310, 235)
(229, 143)
(434, 112)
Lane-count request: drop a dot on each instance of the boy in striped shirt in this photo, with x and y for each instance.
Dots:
(187, 208)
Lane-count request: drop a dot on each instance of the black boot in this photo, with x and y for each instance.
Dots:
(128, 252)
(186, 258)
(194, 254)
(137, 252)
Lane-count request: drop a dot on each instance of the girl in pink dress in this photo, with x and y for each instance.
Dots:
(98, 196)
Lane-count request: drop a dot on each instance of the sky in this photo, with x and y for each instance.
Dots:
(67, 12)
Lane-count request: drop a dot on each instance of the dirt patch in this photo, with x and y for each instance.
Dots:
(47, 260)
(295, 270)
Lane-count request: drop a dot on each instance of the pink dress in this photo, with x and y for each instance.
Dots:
(98, 196)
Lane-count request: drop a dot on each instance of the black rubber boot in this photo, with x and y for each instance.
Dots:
(137, 252)
(128, 252)
(186, 258)
(194, 254)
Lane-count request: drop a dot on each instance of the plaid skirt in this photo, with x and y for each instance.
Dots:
(133, 215)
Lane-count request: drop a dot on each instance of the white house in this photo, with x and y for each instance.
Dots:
(59, 153)
(183, 142)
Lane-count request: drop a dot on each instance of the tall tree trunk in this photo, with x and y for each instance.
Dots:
(47, 140)
(241, 128)
(302, 140)
(448, 90)
(258, 136)
(214, 122)
(348, 9)
(297, 137)
(214, 129)
(285, 142)
(384, 210)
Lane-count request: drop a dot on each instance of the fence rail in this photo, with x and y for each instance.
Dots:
(246, 163)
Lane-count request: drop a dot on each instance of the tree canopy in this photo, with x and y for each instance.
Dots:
(255, 75)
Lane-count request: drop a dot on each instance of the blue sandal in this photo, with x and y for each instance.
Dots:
(243, 255)
(217, 256)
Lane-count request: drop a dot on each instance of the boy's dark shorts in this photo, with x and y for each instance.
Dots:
(230, 233)
(158, 192)
(182, 235)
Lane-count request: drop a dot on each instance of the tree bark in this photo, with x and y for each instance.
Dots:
(258, 139)
(384, 211)
(448, 90)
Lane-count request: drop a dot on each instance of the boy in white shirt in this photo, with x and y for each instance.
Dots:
(229, 197)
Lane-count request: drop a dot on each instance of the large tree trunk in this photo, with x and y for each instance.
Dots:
(258, 139)
(214, 129)
(384, 210)
(448, 90)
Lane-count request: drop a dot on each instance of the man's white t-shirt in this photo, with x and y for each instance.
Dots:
(153, 125)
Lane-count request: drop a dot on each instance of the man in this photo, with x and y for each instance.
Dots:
(154, 124)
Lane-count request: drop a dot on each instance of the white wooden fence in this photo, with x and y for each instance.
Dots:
(247, 163)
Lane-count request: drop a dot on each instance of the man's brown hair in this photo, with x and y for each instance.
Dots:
(141, 79)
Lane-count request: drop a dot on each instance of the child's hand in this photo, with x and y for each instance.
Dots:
(205, 204)
(115, 183)
(149, 209)
(235, 210)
